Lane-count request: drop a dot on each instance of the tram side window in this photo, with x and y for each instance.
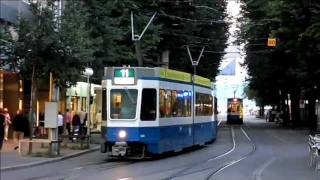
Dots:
(148, 105)
(174, 103)
(180, 105)
(208, 106)
(198, 104)
(187, 103)
(204, 106)
(162, 102)
(168, 103)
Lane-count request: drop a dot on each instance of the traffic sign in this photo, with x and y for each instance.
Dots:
(272, 42)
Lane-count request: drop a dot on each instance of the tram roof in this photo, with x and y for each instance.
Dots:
(161, 73)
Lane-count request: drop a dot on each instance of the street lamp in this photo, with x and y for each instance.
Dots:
(88, 72)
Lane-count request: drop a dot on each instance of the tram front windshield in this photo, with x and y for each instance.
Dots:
(123, 103)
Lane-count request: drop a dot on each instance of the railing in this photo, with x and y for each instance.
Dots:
(314, 151)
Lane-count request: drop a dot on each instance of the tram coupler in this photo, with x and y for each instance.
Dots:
(120, 149)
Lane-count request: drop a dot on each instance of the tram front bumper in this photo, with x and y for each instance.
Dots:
(120, 149)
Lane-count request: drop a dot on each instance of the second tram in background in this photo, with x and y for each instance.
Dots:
(235, 111)
(152, 111)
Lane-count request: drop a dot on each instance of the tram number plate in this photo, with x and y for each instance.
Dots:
(124, 76)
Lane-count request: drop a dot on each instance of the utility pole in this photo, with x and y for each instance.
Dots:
(194, 64)
(136, 39)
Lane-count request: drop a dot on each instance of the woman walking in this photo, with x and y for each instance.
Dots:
(7, 123)
(2, 122)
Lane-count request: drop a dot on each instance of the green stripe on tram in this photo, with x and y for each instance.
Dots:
(184, 77)
(202, 81)
(175, 75)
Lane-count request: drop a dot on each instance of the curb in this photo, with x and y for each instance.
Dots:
(8, 168)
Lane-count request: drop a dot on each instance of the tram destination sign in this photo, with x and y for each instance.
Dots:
(124, 76)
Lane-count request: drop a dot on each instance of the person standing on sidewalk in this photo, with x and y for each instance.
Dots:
(83, 120)
(68, 120)
(60, 123)
(2, 124)
(7, 123)
(98, 120)
(19, 123)
(75, 123)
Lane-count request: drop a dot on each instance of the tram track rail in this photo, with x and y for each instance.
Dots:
(181, 172)
(210, 175)
(189, 166)
(224, 165)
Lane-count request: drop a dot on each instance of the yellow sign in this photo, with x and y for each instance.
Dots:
(272, 42)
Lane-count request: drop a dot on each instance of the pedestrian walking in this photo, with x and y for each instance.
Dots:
(2, 125)
(83, 127)
(68, 120)
(98, 120)
(41, 124)
(83, 119)
(60, 123)
(75, 123)
(19, 125)
(7, 122)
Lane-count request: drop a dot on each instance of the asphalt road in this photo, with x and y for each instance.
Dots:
(255, 150)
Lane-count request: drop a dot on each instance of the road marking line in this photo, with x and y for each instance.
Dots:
(77, 168)
(257, 174)
(125, 179)
(72, 177)
(219, 122)
(244, 132)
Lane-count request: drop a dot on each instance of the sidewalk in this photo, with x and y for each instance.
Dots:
(10, 158)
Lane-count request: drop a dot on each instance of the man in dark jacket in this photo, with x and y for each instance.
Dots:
(19, 125)
(2, 121)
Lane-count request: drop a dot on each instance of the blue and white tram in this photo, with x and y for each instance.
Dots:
(151, 110)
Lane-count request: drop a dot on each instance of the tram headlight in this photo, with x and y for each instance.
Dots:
(122, 134)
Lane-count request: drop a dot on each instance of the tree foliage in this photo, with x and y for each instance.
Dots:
(60, 45)
(290, 68)
(177, 24)
(7, 59)
(97, 33)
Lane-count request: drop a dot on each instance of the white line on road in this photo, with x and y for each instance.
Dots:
(244, 132)
(219, 122)
(257, 174)
(125, 179)
(235, 161)
(77, 168)
(72, 177)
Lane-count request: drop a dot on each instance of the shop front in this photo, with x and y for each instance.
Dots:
(76, 100)
(11, 93)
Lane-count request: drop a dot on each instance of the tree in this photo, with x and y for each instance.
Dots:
(176, 25)
(7, 59)
(286, 69)
(60, 45)
(74, 47)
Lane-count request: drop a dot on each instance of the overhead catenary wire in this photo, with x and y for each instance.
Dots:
(191, 36)
(164, 14)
